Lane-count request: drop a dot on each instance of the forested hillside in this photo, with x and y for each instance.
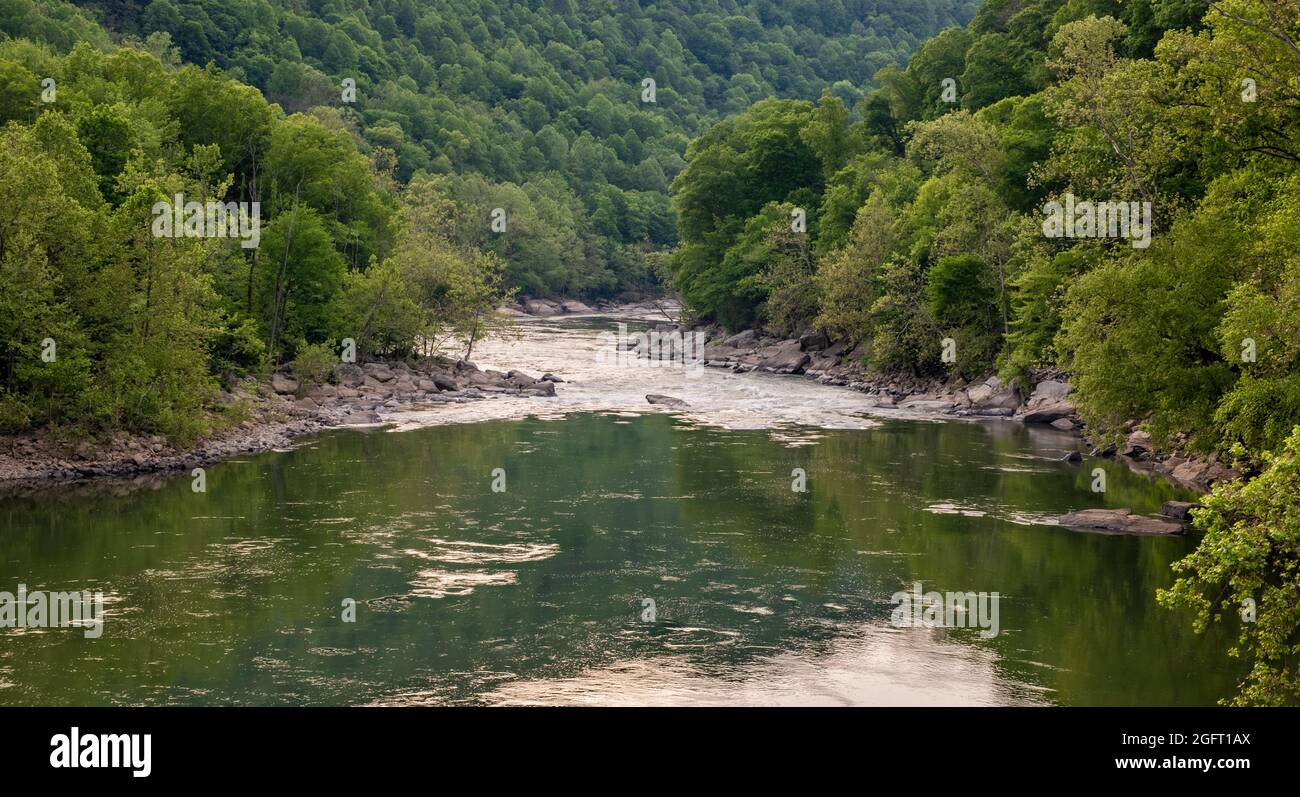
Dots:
(378, 141)
(1103, 188)
(535, 107)
(927, 219)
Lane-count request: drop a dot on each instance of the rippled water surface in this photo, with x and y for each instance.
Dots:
(538, 594)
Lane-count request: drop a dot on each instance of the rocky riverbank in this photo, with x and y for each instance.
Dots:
(262, 416)
(1047, 402)
(550, 308)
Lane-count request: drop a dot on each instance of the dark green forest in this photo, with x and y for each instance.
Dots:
(538, 107)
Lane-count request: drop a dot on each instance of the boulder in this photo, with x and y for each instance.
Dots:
(821, 363)
(992, 394)
(540, 388)
(350, 375)
(1048, 392)
(443, 382)
(283, 385)
(1138, 444)
(717, 352)
(540, 308)
(575, 306)
(380, 372)
(815, 341)
(1191, 471)
(1048, 403)
(551, 378)
(403, 382)
(519, 378)
(786, 357)
(927, 405)
(1121, 521)
(1046, 413)
(1178, 510)
(666, 401)
(1064, 424)
(742, 340)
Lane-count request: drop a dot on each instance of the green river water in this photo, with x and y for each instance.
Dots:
(538, 594)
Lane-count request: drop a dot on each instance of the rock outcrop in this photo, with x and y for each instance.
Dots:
(666, 401)
(357, 396)
(1118, 521)
(1047, 403)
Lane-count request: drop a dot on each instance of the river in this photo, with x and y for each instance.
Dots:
(628, 554)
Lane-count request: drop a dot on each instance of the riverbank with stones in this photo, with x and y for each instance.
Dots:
(1047, 401)
(261, 415)
(815, 356)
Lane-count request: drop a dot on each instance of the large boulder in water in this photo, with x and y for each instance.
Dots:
(1120, 521)
(666, 401)
(993, 395)
(1048, 403)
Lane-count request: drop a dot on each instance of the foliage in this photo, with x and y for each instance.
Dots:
(1248, 564)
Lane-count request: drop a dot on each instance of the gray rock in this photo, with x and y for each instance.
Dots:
(993, 395)
(1048, 392)
(742, 340)
(666, 401)
(1178, 510)
(814, 341)
(575, 306)
(1046, 413)
(785, 357)
(1137, 444)
(1064, 424)
(927, 405)
(350, 375)
(444, 382)
(1121, 521)
(283, 385)
(380, 372)
(541, 308)
(361, 418)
